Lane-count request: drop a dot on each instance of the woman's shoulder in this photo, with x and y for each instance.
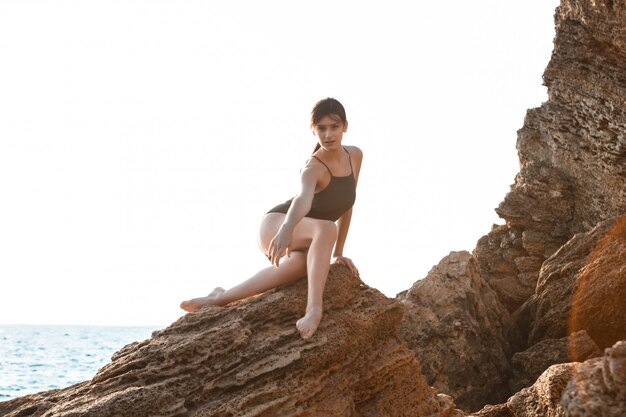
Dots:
(313, 166)
(354, 151)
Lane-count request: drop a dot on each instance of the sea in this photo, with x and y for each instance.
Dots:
(40, 358)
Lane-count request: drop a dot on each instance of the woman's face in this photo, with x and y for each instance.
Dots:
(329, 132)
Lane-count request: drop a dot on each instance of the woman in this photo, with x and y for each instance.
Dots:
(311, 227)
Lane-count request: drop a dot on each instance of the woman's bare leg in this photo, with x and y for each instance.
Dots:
(290, 269)
(318, 265)
(196, 303)
(313, 242)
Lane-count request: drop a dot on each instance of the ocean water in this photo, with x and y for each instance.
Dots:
(40, 358)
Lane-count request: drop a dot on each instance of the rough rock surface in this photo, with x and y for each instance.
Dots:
(596, 387)
(583, 287)
(599, 299)
(549, 307)
(511, 255)
(459, 332)
(248, 359)
(559, 262)
(530, 364)
(555, 264)
(572, 150)
(543, 398)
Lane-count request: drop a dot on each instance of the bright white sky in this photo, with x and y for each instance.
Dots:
(141, 141)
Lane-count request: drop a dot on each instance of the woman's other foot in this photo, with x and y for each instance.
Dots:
(308, 324)
(213, 299)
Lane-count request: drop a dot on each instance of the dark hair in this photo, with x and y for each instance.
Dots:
(327, 107)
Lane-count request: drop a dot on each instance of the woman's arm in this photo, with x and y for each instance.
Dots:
(300, 206)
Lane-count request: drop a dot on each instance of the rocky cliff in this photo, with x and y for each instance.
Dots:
(572, 150)
(558, 264)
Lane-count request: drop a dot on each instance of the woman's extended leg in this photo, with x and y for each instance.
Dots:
(290, 269)
(312, 245)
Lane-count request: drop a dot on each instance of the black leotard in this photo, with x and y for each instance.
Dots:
(333, 201)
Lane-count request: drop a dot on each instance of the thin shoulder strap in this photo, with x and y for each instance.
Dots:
(331, 173)
(349, 159)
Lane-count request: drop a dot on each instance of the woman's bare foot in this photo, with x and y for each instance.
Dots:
(307, 325)
(195, 304)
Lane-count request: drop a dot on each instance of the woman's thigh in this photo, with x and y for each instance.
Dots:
(303, 233)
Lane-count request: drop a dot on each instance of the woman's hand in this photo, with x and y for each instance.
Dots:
(342, 260)
(280, 244)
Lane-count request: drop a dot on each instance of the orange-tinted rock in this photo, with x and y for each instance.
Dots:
(583, 287)
(599, 299)
(549, 307)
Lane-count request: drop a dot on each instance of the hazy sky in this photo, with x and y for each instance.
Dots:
(141, 141)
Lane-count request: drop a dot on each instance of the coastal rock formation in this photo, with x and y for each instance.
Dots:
(543, 398)
(572, 150)
(248, 359)
(530, 364)
(596, 387)
(599, 299)
(583, 287)
(578, 308)
(459, 332)
(558, 264)
(537, 213)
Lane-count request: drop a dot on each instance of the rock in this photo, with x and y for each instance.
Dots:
(446, 403)
(571, 184)
(460, 332)
(599, 299)
(500, 410)
(572, 151)
(596, 387)
(544, 397)
(580, 129)
(583, 287)
(541, 399)
(248, 359)
(530, 364)
(496, 254)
